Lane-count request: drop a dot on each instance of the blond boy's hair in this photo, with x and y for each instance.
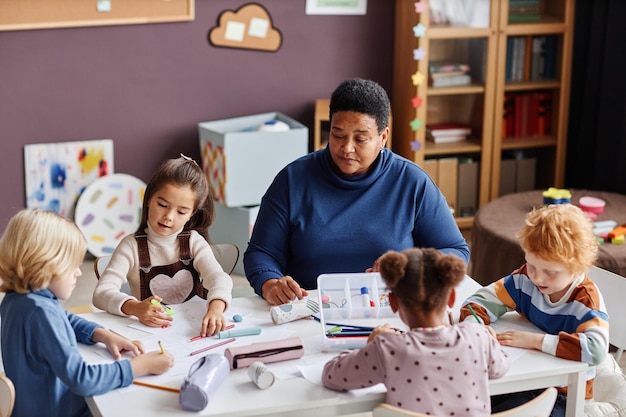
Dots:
(560, 233)
(36, 248)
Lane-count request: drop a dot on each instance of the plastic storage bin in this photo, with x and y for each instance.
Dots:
(353, 300)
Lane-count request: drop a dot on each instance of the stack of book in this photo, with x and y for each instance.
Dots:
(447, 132)
(448, 74)
(527, 114)
(524, 11)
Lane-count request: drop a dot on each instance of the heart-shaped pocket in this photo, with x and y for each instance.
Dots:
(173, 290)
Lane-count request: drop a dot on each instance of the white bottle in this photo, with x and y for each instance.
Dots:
(365, 297)
(260, 375)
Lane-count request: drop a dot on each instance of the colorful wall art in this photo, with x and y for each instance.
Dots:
(57, 173)
(109, 209)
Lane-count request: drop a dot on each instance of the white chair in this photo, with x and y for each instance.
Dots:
(227, 255)
(613, 289)
(540, 406)
(7, 396)
(609, 386)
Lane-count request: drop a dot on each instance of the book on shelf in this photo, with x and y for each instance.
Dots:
(446, 74)
(448, 129)
(467, 188)
(447, 177)
(528, 55)
(458, 180)
(447, 132)
(445, 139)
(531, 58)
(524, 11)
(526, 114)
(439, 66)
(452, 81)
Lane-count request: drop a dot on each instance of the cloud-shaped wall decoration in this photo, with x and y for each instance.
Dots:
(249, 27)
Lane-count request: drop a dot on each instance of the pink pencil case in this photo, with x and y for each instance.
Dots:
(266, 352)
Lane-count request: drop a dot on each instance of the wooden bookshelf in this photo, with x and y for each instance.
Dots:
(480, 103)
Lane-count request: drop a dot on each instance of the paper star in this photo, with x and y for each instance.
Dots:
(419, 54)
(416, 145)
(417, 78)
(420, 7)
(416, 124)
(416, 101)
(419, 30)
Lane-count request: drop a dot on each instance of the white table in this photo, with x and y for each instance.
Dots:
(239, 397)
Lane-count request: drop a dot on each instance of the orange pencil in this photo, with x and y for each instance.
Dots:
(145, 384)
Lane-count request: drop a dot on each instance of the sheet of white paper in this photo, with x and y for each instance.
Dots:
(235, 31)
(186, 325)
(258, 27)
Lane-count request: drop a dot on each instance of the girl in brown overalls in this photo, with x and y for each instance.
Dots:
(168, 258)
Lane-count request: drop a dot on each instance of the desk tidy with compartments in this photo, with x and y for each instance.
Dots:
(352, 304)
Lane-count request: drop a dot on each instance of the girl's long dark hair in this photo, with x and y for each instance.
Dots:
(184, 172)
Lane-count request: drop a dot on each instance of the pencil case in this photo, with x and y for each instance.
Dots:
(204, 378)
(266, 352)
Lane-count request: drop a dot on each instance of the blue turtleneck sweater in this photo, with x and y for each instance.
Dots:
(313, 220)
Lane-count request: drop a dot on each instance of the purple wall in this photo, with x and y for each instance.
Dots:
(147, 86)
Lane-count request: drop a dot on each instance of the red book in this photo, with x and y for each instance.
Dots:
(525, 106)
(533, 114)
(542, 113)
(519, 112)
(510, 114)
(448, 129)
(505, 116)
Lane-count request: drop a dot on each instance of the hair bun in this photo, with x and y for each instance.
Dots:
(392, 267)
(451, 268)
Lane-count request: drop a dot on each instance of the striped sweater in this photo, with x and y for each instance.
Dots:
(576, 326)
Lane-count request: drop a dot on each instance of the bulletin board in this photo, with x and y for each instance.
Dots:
(46, 14)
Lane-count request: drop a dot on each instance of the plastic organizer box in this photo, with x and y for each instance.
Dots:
(353, 302)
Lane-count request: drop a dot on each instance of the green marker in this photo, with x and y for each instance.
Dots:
(168, 310)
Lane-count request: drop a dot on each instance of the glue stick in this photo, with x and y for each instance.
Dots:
(365, 297)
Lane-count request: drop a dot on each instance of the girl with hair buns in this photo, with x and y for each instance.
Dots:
(436, 368)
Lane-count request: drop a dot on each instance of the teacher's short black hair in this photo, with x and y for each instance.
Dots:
(362, 96)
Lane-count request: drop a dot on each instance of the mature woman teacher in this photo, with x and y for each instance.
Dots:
(340, 208)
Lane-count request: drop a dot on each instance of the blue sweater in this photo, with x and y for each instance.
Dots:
(40, 354)
(313, 220)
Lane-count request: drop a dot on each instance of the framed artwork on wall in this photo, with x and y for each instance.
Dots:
(338, 7)
(57, 173)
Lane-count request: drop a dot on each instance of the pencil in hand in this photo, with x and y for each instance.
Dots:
(162, 348)
(471, 310)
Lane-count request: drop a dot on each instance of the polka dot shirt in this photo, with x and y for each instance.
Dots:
(445, 372)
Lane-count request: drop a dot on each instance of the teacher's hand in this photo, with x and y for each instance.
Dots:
(375, 267)
(283, 290)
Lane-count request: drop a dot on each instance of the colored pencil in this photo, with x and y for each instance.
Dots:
(212, 346)
(193, 339)
(145, 384)
(469, 307)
